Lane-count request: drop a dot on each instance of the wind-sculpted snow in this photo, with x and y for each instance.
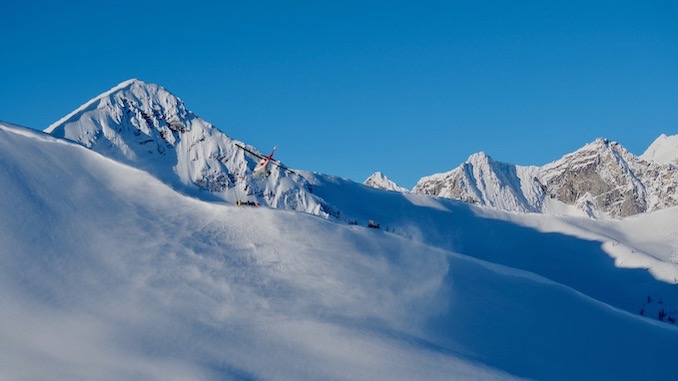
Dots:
(109, 274)
(600, 179)
(146, 126)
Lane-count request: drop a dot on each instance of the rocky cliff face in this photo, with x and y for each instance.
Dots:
(601, 179)
(146, 126)
(601, 175)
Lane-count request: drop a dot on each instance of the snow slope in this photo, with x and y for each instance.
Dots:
(577, 252)
(110, 274)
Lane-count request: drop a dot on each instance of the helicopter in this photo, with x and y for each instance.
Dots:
(262, 168)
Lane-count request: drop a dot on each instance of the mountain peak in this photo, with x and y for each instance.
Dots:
(663, 150)
(137, 83)
(479, 157)
(597, 147)
(127, 83)
(599, 143)
(132, 94)
(379, 181)
(146, 126)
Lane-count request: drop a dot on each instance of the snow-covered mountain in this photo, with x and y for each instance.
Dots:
(663, 150)
(109, 273)
(379, 181)
(600, 179)
(483, 181)
(148, 127)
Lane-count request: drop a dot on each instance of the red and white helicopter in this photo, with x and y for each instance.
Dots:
(261, 170)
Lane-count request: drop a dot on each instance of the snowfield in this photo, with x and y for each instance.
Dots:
(108, 273)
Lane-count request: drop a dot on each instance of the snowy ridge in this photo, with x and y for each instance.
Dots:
(600, 179)
(73, 114)
(146, 126)
(379, 181)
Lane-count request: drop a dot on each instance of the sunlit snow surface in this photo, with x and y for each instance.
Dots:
(107, 273)
(663, 150)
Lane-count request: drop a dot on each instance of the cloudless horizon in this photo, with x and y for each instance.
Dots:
(352, 88)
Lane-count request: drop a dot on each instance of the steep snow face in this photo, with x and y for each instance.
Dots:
(484, 181)
(379, 181)
(148, 127)
(600, 179)
(663, 150)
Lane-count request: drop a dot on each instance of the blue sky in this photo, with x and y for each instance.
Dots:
(349, 88)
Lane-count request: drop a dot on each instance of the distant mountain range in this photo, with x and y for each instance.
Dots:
(148, 127)
(601, 179)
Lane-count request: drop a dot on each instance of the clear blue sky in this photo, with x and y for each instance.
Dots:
(349, 88)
